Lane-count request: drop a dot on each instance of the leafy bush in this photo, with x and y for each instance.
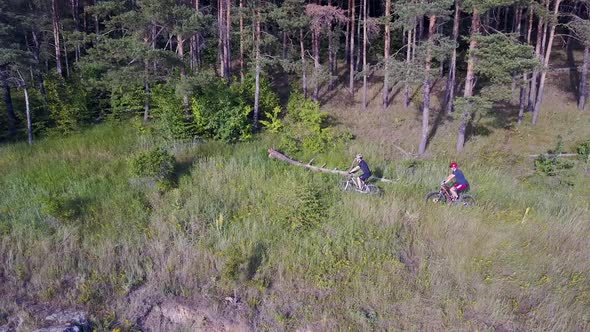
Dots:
(550, 164)
(126, 102)
(273, 124)
(268, 99)
(61, 207)
(584, 150)
(156, 163)
(220, 113)
(173, 120)
(68, 105)
(306, 127)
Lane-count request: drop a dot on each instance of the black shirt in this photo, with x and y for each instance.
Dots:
(364, 167)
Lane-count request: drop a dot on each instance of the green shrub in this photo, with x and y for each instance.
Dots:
(221, 113)
(68, 105)
(156, 163)
(126, 102)
(551, 164)
(273, 124)
(584, 150)
(268, 99)
(306, 127)
(173, 120)
(61, 207)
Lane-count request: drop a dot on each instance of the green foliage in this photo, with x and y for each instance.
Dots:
(126, 102)
(156, 163)
(268, 99)
(303, 207)
(221, 113)
(68, 105)
(306, 127)
(500, 56)
(62, 207)
(470, 105)
(173, 120)
(273, 124)
(583, 149)
(551, 164)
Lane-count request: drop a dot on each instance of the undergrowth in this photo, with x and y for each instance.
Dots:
(76, 229)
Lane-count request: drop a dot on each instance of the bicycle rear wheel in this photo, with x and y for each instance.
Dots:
(435, 197)
(372, 189)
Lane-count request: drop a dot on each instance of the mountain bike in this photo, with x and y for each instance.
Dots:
(350, 185)
(444, 196)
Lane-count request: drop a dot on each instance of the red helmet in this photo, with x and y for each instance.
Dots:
(453, 164)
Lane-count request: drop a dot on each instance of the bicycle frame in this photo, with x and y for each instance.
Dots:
(446, 192)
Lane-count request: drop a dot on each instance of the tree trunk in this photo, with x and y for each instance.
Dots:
(316, 62)
(36, 53)
(27, 109)
(56, 33)
(359, 47)
(76, 17)
(8, 102)
(450, 88)
(470, 76)
(257, 82)
(427, 85)
(227, 47)
(408, 60)
(146, 87)
(241, 41)
(351, 73)
(331, 56)
(533, 86)
(530, 29)
(386, 54)
(272, 153)
(522, 100)
(96, 25)
(469, 79)
(66, 57)
(545, 64)
(180, 52)
(303, 67)
(221, 41)
(365, 69)
(523, 88)
(583, 85)
(347, 39)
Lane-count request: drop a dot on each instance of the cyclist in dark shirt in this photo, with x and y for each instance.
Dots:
(361, 165)
(460, 180)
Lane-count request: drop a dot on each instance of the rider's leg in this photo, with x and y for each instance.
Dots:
(363, 179)
(454, 192)
(359, 183)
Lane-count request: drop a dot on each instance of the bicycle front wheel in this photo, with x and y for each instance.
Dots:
(346, 185)
(435, 197)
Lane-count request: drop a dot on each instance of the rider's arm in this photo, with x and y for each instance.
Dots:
(354, 169)
(449, 178)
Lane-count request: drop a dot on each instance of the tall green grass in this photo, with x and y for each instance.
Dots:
(79, 229)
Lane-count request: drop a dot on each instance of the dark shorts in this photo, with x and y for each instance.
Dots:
(460, 187)
(364, 177)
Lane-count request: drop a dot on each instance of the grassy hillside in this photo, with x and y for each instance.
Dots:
(79, 229)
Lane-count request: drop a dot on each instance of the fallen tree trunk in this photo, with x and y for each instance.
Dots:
(272, 153)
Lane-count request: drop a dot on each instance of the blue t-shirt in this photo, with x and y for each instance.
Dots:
(460, 177)
(364, 167)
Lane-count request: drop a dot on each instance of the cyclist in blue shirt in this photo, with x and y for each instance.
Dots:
(460, 180)
(361, 165)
